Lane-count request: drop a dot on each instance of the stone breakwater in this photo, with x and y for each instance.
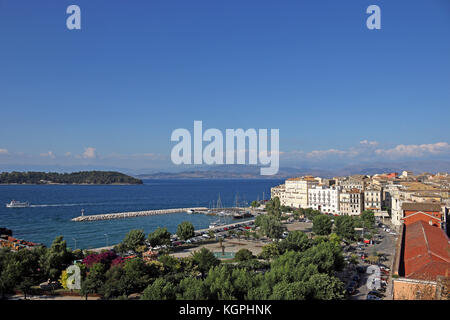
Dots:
(121, 215)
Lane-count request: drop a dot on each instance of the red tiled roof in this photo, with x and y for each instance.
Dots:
(426, 251)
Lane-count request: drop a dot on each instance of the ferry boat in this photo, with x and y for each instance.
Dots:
(17, 204)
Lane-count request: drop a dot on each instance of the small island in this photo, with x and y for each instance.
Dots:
(82, 177)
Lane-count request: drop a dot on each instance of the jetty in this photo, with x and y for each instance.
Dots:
(133, 214)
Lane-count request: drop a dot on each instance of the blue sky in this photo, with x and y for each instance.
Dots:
(112, 93)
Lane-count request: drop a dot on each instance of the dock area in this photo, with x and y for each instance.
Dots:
(133, 214)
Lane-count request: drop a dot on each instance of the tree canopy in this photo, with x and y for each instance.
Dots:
(322, 225)
(82, 177)
(185, 230)
(159, 237)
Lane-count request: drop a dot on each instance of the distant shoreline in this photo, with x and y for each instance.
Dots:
(75, 178)
(70, 184)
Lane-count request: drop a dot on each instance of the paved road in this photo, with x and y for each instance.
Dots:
(385, 247)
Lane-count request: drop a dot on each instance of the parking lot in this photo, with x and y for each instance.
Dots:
(386, 250)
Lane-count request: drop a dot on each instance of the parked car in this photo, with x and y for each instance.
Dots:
(371, 297)
(376, 293)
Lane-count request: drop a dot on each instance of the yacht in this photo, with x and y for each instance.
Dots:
(17, 204)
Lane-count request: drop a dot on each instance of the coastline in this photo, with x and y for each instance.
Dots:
(71, 184)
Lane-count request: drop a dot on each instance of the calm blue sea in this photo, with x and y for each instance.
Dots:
(52, 207)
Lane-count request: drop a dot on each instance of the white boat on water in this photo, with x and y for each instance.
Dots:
(215, 224)
(17, 204)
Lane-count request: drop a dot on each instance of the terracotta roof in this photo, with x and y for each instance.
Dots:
(421, 206)
(426, 251)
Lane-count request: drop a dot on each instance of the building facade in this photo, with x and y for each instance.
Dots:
(324, 199)
(373, 199)
(296, 191)
(351, 202)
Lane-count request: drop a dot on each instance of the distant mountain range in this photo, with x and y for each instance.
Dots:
(253, 172)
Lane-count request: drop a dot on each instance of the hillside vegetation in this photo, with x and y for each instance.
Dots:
(82, 177)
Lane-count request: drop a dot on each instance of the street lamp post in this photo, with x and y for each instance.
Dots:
(107, 242)
(75, 243)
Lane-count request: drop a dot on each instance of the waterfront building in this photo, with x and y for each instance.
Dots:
(296, 191)
(278, 191)
(324, 198)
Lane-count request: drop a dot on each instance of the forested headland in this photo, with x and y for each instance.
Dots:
(82, 177)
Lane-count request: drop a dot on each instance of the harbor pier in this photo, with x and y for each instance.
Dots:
(133, 214)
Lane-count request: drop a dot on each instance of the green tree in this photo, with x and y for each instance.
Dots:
(138, 273)
(327, 256)
(55, 259)
(325, 287)
(243, 255)
(9, 271)
(243, 281)
(134, 239)
(220, 284)
(322, 225)
(94, 280)
(345, 227)
(368, 219)
(273, 207)
(116, 284)
(269, 251)
(204, 259)
(270, 225)
(160, 289)
(310, 213)
(28, 270)
(192, 289)
(185, 230)
(159, 237)
(296, 240)
(289, 291)
(170, 263)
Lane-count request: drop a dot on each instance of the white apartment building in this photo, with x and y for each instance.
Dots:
(296, 191)
(278, 191)
(351, 202)
(397, 198)
(324, 199)
(373, 199)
